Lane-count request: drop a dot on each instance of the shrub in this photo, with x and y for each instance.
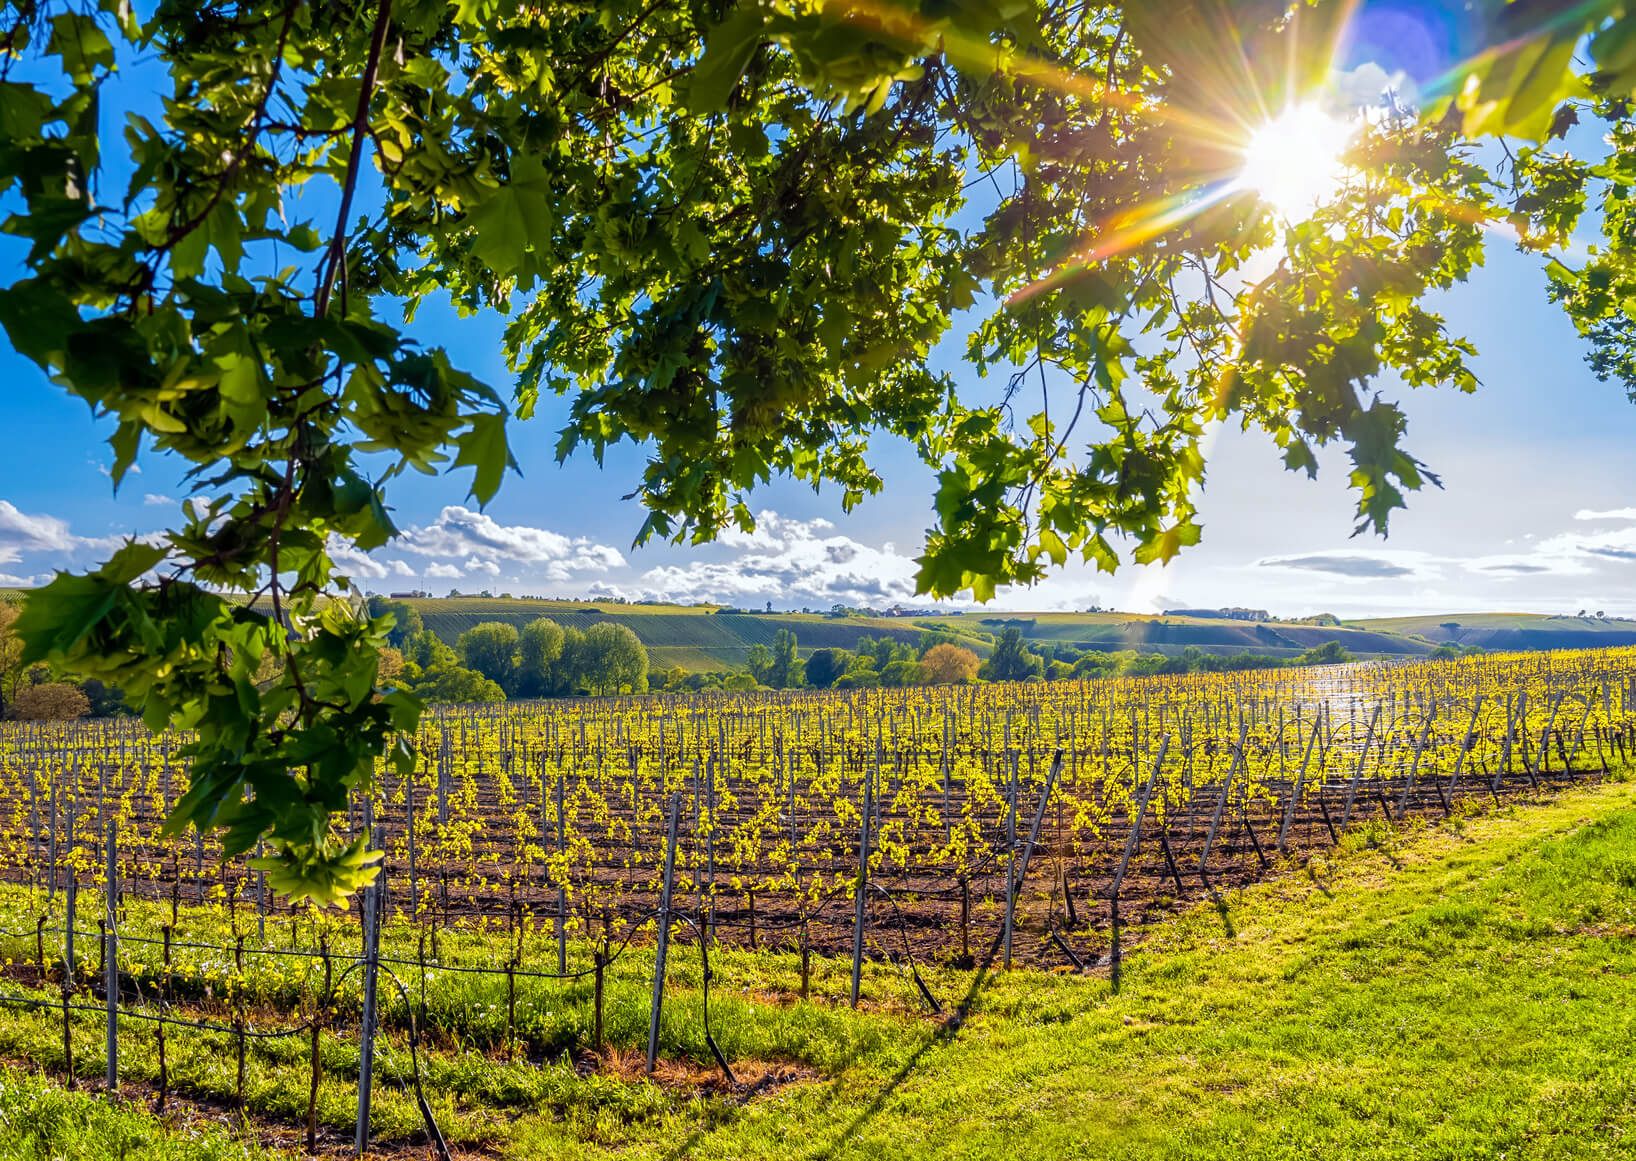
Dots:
(51, 701)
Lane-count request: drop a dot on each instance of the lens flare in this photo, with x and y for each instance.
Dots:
(1293, 162)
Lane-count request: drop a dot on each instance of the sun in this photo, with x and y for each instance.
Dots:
(1293, 162)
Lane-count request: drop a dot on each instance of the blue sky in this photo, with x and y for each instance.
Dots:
(1538, 511)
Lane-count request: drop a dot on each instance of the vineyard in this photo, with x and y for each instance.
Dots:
(564, 881)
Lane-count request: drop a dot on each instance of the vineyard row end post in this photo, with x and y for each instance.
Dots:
(366, 1031)
(662, 944)
(110, 956)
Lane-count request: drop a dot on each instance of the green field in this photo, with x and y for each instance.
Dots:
(1508, 630)
(1455, 992)
(1172, 634)
(701, 638)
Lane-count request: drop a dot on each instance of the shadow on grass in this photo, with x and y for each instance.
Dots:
(943, 1034)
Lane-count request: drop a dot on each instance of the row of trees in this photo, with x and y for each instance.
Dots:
(496, 660)
(872, 661)
(939, 660)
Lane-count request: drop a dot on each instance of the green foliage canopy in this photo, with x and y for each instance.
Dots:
(730, 232)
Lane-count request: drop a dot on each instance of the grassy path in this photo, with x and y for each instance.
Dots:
(1464, 992)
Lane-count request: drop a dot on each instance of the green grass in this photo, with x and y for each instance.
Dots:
(39, 1121)
(1172, 634)
(474, 1073)
(700, 638)
(1457, 992)
(1465, 994)
(1497, 631)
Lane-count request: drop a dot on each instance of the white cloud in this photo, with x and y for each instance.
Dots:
(444, 572)
(1566, 554)
(483, 542)
(157, 500)
(401, 568)
(1606, 514)
(1355, 565)
(354, 563)
(788, 562)
(21, 533)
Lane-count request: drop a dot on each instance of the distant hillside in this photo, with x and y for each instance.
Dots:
(1508, 630)
(702, 637)
(1110, 631)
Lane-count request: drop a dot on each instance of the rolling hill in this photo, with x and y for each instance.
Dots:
(705, 637)
(1507, 630)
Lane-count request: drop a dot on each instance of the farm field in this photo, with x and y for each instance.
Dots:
(1508, 630)
(700, 639)
(1452, 991)
(828, 880)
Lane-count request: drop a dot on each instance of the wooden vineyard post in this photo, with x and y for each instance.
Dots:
(159, 1025)
(1460, 758)
(948, 812)
(662, 944)
(1295, 792)
(110, 956)
(862, 891)
(1221, 799)
(1017, 879)
(261, 902)
(238, 1016)
(1504, 766)
(70, 980)
(562, 886)
(443, 760)
(366, 1030)
(1010, 863)
(709, 932)
(315, 1062)
(1512, 721)
(1130, 850)
(1357, 771)
(71, 890)
(51, 849)
(198, 868)
(409, 841)
(1414, 763)
(34, 838)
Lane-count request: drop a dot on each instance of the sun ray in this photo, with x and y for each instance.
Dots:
(1293, 161)
(1125, 232)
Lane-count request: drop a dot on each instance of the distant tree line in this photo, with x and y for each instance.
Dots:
(940, 658)
(496, 660)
